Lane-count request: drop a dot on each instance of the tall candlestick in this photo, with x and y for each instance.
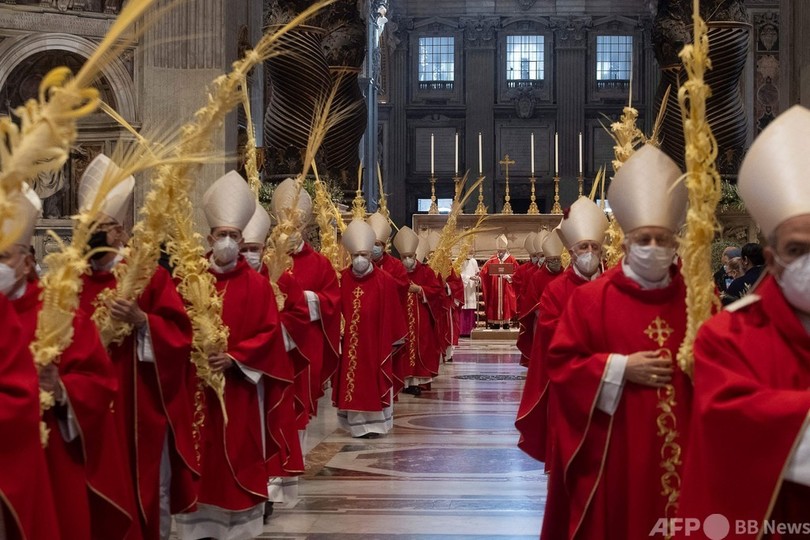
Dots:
(480, 155)
(556, 154)
(532, 153)
(580, 153)
(431, 154)
(456, 169)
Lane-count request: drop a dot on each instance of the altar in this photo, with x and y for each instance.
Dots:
(514, 226)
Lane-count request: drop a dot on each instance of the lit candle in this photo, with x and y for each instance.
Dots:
(556, 154)
(480, 155)
(431, 154)
(532, 153)
(580, 153)
(456, 169)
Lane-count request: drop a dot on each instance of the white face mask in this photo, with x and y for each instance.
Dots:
(360, 264)
(225, 250)
(795, 282)
(376, 252)
(8, 278)
(650, 262)
(534, 260)
(254, 259)
(587, 263)
(409, 263)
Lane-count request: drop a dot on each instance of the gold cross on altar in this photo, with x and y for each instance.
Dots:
(659, 331)
(506, 162)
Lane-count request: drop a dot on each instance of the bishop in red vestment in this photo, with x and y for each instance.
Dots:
(500, 302)
(583, 222)
(92, 491)
(623, 404)
(422, 349)
(258, 381)
(528, 294)
(26, 501)
(363, 391)
(394, 267)
(155, 378)
(749, 449)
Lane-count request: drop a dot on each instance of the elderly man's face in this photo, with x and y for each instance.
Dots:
(19, 259)
(792, 242)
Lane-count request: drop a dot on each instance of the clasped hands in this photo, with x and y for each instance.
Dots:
(649, 368)
(414, 288)
(128, 311)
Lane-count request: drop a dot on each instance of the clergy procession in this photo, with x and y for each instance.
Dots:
(160, 369)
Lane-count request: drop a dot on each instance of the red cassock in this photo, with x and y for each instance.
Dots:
(155, 398)
(314, 273)
(394, 268)
(752, 374)
(308, 343)
(443, 324)
(457, 301)
(422, 347)
(92, 492)
(373, 325)
(520, 283)
(500, 302)
(533, 420)
(25, 489)
(235, 465)
(608, 470)
(527, 309)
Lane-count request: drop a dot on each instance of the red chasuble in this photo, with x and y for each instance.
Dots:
(25, 489)
(533, 413)
(308, 343)
(155, 397)
(92, 491)
(235, 465)
(394, 268)
(456, 302)
(752, 374)
(314, 273)
(422, 347)
(612, 466)
(373, 325)
(520, 283)
(500, 302)
(533, 290)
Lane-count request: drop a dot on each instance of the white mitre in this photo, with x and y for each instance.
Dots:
(773, 177)
(382, 229)
(26, 208)
(552, 245)
(255, 232)
(501, 242)
(539, 238)
(584, 221)
(649, 191)
(229, 202)
(528, 243)
(119, 199)
(406, 241)
(285, 195)
(358, 236)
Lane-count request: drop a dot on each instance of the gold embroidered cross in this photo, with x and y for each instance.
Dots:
(659, 331)
(358, 292)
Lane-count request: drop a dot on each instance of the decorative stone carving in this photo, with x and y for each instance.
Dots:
(480, 31)
(766, 73)
(571, 30)
(525, 102)
(525, 5)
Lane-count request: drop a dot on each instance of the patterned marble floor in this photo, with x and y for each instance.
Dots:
(449, 470)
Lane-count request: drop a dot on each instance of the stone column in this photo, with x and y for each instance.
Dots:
(479, 67)
(183, 51)
(397, 140)
(570, 63)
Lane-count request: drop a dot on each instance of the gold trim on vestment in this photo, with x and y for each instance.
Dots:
(354, 341)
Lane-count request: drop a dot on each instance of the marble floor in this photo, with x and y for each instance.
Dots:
(449, 470)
